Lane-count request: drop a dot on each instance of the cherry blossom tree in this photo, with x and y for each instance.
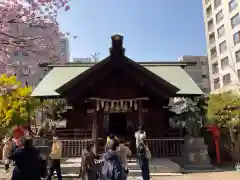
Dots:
(30, 26)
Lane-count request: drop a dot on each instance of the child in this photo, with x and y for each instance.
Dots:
(8, 145)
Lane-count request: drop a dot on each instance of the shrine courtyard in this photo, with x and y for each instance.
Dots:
(117, 95)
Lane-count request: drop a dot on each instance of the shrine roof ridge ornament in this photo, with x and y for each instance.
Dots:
(117, 45)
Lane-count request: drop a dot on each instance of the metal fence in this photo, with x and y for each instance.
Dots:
(73, 148)
(165, 147)
(159, 147)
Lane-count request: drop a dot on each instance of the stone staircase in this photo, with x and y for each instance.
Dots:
(70, 168)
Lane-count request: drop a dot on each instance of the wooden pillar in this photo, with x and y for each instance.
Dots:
(95, 131)
(140, 114)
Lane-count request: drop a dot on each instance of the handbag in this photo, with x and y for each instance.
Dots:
(147, 152)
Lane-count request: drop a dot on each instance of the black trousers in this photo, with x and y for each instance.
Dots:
(6, 167)
(55, 166)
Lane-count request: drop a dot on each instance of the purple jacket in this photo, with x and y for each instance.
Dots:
(112, 167)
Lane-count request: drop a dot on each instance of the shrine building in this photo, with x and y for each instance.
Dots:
(118, 94)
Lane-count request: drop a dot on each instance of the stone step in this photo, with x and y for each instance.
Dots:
(75, 176)
(161, 165)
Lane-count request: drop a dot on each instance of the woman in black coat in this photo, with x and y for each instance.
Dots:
(27, 161)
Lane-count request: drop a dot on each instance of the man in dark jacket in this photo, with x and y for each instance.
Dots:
(27, 161)
(112, 167)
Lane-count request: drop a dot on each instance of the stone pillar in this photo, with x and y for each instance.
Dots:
(195, 154)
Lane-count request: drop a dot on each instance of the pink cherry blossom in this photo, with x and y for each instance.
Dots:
(18, 16)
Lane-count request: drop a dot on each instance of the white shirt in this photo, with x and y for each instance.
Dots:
(139, 137)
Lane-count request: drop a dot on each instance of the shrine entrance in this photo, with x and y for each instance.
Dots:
(118, 124)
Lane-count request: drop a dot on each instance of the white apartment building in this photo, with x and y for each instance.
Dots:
(222, 27)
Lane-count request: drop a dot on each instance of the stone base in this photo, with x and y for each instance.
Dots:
(195, 154)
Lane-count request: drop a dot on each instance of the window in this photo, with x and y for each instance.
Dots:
(223, 47)
(237, 55)
(204, 76)
(235, 20)
(212, 38)
(233, 5)
(236, 37)
(15, 53)
(221, 31)
(224, 63)
(227, 79)
(213, 53)
(219, 16)
(24, 53)
(210, 25)
(209, 11)
(216, 83)
(215, 68)
(217, 3)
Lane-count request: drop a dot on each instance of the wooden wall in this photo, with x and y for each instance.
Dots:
(119, 87)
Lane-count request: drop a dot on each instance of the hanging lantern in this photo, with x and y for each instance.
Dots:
(102, 104)
(98, 106)
(106, 107)
(121, 104)
(135, 105)
(131, 103)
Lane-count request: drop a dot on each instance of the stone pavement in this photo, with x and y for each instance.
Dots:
(228, 175)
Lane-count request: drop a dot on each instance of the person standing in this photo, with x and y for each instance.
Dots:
(140, 135)
(111, 136)
(112, 167)
(8, 146)
(124, 153)
(87, 169)
(27, 161)
(144, 155)
(55, 158)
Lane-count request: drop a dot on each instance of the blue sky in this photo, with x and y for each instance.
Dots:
(153, 30)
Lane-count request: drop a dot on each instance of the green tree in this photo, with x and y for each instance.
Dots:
(224, 110)
(16, 105)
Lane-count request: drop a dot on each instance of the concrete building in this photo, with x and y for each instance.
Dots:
(198, 72)
(82, 60)
(65, 49)
(42, 44)
(24, 62)
(222, 27)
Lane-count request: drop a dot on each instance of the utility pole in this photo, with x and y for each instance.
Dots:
(95, 57)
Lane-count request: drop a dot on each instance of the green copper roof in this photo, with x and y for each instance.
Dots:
(178, 77)
(58, 76)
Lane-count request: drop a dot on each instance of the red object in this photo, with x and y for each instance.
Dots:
(216, 135)
(18, 132)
